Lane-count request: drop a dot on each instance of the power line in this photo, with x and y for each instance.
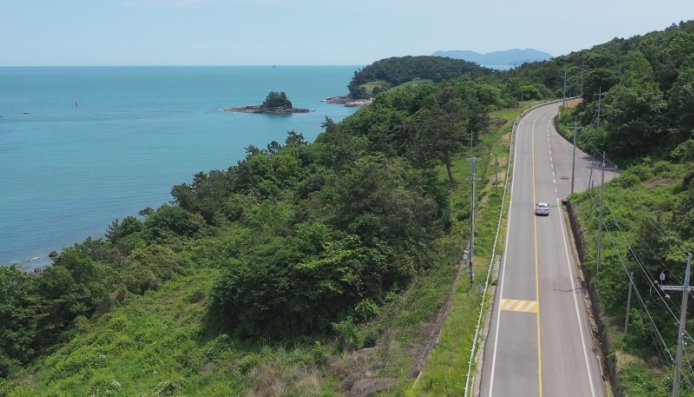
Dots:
(653, 329)
(638, 295)
(685, 288)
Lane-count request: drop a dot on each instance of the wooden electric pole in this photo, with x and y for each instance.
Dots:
(683, 319)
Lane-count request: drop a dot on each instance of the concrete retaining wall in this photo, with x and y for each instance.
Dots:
(597, 310)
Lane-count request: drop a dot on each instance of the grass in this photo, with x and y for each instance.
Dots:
(385, 85)
(415, 81)
(373, 84)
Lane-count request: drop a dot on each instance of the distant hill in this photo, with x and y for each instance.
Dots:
(391, 72)
(508, 57)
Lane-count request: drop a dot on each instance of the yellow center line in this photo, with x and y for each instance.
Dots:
(537, 271)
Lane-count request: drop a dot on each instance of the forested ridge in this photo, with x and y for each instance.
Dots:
(303, 241)
(398, 70)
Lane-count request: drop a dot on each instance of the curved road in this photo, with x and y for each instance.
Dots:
(539, 341)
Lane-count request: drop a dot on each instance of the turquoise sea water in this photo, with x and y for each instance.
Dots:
(105, 142)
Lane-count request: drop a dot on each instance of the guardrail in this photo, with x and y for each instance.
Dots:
(512, 142)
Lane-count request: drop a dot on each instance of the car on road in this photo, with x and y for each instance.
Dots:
(542, 209)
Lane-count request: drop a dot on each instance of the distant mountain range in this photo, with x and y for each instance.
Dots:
(497, 58)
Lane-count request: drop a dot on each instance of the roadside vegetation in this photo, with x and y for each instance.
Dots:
(645, 128)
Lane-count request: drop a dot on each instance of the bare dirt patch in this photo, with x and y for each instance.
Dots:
(495, 124)
(433, 331)
(506, 139)
(659, 182)
(575, 102)
(369, 387)
(623, 359)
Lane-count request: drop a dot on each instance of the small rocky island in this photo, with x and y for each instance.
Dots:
(275, 103)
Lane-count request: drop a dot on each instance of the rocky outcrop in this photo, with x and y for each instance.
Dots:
(371, 387)
(265, 110)
(347, 101)
(358, 103)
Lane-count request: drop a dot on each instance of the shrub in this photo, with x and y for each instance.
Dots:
(347, 335)
(628, 180)
(370, 338)
(366, 310)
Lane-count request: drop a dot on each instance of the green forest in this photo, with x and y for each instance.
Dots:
(305, 251)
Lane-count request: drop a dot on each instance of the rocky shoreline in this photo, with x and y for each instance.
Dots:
(264, 110)
(347, 101)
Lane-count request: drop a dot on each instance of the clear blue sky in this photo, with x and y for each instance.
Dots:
(309, 32)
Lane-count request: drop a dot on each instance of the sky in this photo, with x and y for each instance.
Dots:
(309, 32)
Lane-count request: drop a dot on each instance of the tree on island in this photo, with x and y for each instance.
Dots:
(276, 100)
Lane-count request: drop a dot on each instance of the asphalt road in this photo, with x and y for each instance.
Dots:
(539, 341)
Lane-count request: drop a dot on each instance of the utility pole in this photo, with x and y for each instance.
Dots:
(631, 285)
(564, 97)
(496, 172)
(583, 64)
(599, 94)
(573, 162)
(590, 178)
(602, 196)
(520, 105)
(683, 318)
(473, 168)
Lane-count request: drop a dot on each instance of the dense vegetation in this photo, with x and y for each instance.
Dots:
(276, 100)
(398, 70)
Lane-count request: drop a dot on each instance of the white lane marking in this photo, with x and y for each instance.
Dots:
(552, 173)
(555, 190)
(555, 181)
(550, 157)
(552, 165)
(503, 272)
(578, 317)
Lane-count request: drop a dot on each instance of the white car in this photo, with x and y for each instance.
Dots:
(542, 209)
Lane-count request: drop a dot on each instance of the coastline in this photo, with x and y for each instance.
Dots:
(347, 101)
(148, 141)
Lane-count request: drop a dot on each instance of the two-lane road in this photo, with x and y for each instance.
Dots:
(540, 342)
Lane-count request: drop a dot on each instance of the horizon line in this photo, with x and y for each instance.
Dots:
(174, 66)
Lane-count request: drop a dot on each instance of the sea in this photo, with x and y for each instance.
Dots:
(82, 146)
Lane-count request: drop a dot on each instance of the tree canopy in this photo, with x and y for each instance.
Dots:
(276, 100)
(398, 70)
